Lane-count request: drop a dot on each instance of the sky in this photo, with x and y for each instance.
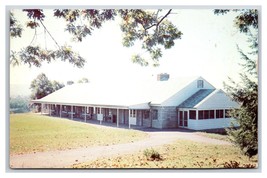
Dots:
(207, 48)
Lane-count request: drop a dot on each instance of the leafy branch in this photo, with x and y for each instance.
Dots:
(137, 25)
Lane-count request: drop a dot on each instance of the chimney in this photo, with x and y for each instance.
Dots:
(163, 77)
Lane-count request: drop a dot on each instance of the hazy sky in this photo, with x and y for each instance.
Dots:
(207, 48)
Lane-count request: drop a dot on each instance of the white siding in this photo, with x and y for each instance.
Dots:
(185, 93)
(210, 123)
(218, 99)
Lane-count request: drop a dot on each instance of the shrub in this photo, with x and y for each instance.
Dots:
(234, 165)
(152, 155)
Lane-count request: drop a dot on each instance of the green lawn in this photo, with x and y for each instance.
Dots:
(214, 136)
(181, 154)
(36, 133)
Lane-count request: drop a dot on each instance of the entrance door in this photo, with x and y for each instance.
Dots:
(183, 118)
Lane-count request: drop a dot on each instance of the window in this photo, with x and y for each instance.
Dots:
(146, 114)
(200, 84)
(211, 114)
(200, 115)
(155, 114)
(132, 113)
(192, 114)
(97, 110)
(181, 118)
(185, 118)
(219, 113)
(206, 114)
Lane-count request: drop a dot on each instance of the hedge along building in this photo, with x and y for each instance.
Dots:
(191, 103)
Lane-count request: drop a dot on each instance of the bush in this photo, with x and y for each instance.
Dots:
(235, 165)
(19, 104)
(152, 155)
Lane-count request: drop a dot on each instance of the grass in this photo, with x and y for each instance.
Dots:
(214, 136)
(181, 154)
(31, 133)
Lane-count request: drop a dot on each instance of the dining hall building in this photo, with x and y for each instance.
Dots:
(191, 103)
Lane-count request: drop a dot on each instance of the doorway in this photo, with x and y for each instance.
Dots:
(183, 118)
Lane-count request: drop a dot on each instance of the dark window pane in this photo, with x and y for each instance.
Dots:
(185, 115)
(192, 114)
(146, 114)
(185, 118)
(200, 84)
(181, 118)
(200, 115)
(211, 114)
(219, 113)
(185, 123)
(181, 114)
(155, 114)
(206, 114)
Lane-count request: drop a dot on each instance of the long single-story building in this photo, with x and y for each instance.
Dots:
(191, 103)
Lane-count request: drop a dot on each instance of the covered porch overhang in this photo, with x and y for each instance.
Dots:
(85, 111)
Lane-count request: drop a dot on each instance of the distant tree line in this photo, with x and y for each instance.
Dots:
(41, 86)
(19, 104)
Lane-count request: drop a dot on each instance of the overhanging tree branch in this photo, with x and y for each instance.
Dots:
(157, 24)
(50, 34)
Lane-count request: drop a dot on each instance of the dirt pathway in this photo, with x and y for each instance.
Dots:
(61, 159)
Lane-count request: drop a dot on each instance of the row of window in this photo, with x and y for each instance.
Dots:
(145, 113)
(132, 113)
(202, 114)
(209, 114)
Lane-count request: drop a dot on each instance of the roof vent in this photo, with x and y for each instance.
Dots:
(163, 77)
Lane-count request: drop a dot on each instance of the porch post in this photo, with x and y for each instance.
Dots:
(71, 112)
(100, 113)
(42, 105)
(60, 110)
(49, 109)
(196, 114)
(117, 117)
(129, 119)
(85, 114)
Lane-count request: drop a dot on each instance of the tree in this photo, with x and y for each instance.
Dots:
(70, 82)
(56, 85)
(246, 92)
(42, 87)
(83, 80)
(19, 104)
(150, 27)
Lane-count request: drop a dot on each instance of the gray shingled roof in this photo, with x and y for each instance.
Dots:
(196, 98)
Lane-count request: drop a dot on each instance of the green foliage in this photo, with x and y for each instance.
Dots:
(36, 133)
(70, 82)
(246, 91)
(245, 20)
(83, 80)
(150, 27)
(246, 135)
(15, 28)
(19, 104)
(42, 87)
(235, 165)
(179, 154)
(35, 55)
(152, 154)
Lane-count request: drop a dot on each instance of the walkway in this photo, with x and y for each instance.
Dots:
(65, 158)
